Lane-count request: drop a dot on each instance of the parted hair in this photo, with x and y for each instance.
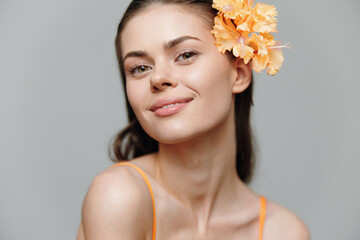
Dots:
(133, 141)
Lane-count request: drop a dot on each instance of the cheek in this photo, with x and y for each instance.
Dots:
(131, 96)
(135, 91)
(213, 79)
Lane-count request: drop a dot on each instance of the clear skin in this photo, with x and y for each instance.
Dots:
(198, 194)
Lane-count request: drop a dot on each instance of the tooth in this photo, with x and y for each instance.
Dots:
(170, 105)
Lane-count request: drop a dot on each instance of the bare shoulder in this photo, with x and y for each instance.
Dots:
(117, 204)
(282, 224)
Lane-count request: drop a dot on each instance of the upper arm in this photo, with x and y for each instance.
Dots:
(115, 207)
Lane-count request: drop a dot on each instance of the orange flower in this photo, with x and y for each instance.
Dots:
(259, 62)
(230, 8)
(243, 51)
(227, 38)
(276, 58)
(261, 57)
(248, 4)
(264, 18)
(258, 43)
(269, 39)
(236, 20)
(225, 33)
(244, 21)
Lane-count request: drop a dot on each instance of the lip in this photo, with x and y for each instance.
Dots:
(161, 107)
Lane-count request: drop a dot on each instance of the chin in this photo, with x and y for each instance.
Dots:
(173, 141)
(175, 136)
(186, 129)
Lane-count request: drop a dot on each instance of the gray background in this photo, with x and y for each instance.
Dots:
(61, 101)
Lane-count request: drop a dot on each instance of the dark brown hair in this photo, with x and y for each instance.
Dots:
(133, 141)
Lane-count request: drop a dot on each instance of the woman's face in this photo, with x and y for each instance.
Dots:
(178, 84)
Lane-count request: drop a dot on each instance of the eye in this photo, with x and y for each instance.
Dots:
(186, 55)
(139, 69)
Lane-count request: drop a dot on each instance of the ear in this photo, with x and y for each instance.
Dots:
(243, 76)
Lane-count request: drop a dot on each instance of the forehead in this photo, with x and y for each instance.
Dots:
(162, 23)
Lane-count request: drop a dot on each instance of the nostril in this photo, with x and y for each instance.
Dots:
(166, 84)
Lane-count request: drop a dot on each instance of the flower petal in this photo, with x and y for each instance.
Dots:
(264, 18)
(276, 58)
(225, 34)
(244, 52)
(259, 62)
(258, 43)
(269, 38)
(244, 21)
(229, 8)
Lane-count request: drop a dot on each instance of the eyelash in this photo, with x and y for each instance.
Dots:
(133, 69)
(182, 53)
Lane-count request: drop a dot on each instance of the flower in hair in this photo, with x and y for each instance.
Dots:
(245, 30)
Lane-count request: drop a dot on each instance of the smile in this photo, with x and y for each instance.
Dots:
(169, 106)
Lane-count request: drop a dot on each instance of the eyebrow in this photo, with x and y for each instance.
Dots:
(166, 46)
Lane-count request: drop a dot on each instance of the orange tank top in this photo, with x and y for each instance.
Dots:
(262, 213)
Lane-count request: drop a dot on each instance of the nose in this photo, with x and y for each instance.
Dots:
(161, 79)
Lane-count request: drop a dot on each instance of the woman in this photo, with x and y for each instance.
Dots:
(189, 133)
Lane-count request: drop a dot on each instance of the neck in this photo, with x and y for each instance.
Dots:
(201, 173)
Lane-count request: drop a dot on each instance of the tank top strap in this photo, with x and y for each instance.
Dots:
(262, 216)
(150, 190)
